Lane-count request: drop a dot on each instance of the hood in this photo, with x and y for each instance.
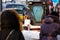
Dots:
(48, 20)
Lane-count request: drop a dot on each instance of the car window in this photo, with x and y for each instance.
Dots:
(19, 11)
(15, 6)
(10, 6)
(18, 6)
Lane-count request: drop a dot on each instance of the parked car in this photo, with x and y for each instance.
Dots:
(19, 7)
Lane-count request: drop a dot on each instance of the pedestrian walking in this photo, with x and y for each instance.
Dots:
(10, 26)
(49, 29)
(55, 16)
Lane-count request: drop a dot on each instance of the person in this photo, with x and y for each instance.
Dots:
(49, 29)
(55, 13)
(10, 26)
(55, 16)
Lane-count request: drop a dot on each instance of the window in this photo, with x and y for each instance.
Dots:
(19, 11)
(15, 6)
(38, 12)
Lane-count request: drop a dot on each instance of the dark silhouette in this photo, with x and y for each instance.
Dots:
(49, 29)
(56, 19)
(55, 13)
(10, 26)
(55, 16)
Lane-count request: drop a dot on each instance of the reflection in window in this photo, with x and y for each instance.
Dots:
(15, 6)
(10, 6)
(38, 12)
(19, 11)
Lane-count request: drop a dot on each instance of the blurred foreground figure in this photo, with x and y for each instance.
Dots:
(55, 16)
(10, 26)
(49, 29)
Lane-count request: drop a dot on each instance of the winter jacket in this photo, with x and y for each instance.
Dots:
(48, 30)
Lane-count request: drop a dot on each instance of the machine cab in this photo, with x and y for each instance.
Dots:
(38, 10)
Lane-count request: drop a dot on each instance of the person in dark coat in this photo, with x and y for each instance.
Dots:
(10, 27)
(49, 29)
(55, 16)
(56, 19)
(55, 13)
